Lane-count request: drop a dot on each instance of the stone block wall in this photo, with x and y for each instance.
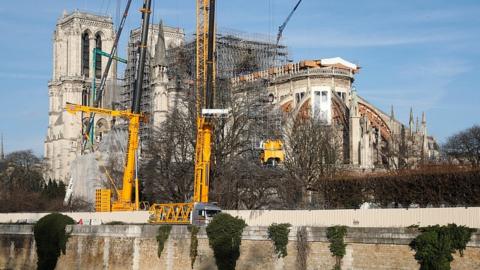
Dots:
(135, 247)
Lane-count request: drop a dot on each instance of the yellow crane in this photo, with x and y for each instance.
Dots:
(199, 211)
(123, 201)
(104, 201)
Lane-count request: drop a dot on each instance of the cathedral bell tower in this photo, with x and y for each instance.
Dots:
(75, 36)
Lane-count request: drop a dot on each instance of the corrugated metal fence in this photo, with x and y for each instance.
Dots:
(353, 218)
(364, 217)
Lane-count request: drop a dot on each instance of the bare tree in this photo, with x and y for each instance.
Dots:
(167, 172)
(22, 187)
(23, 158)
(22, 171)
(464, 146)
(238, 180)
(313, 154)
(402, 152)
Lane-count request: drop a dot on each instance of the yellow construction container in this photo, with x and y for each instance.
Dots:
(102, 200)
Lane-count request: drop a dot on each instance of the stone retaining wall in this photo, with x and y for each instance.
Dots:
(135, 247)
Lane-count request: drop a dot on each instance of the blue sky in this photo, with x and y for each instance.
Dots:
(423, 54)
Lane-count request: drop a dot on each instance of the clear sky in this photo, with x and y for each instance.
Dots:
(424, 54)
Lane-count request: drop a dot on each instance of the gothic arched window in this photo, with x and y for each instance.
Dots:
(85, 54)
(98, 64)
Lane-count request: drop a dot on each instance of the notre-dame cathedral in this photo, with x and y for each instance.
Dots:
(323, 88)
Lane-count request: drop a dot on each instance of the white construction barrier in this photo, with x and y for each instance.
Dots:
(353, 218)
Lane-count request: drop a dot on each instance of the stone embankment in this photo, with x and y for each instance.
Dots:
(135, 247)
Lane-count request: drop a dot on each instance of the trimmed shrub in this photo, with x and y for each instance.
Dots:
(225, 236)
(51, 239)
(278, 233)
(337, 245)
(436, 244)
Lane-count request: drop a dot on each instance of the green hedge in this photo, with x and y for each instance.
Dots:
(453, 188)
(51, 239)
(436, 244)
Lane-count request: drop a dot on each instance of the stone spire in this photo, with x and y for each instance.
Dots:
(424, 136)
(355, 130)
(160, 58)
(410, 123)
(392, 113)
(417, 126)
(2, 154)
(424, 124)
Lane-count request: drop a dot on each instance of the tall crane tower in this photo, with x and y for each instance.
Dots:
(205, 88)
(199, 211)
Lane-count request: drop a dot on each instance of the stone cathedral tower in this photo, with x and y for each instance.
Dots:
(75, 36)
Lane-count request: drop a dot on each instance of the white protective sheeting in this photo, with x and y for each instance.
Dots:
(87, 171)
(337, 61)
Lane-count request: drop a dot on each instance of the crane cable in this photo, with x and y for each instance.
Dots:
(107, 68)
(282, 27)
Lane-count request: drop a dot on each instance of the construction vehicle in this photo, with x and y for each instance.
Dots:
(199, 211)
(122, 201)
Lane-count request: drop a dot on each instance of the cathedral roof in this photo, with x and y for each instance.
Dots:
(84, 15)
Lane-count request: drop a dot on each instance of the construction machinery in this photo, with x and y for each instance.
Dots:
(282, 27)
(272, 152)
(127, 198)
(199, 211)
(123, 201)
